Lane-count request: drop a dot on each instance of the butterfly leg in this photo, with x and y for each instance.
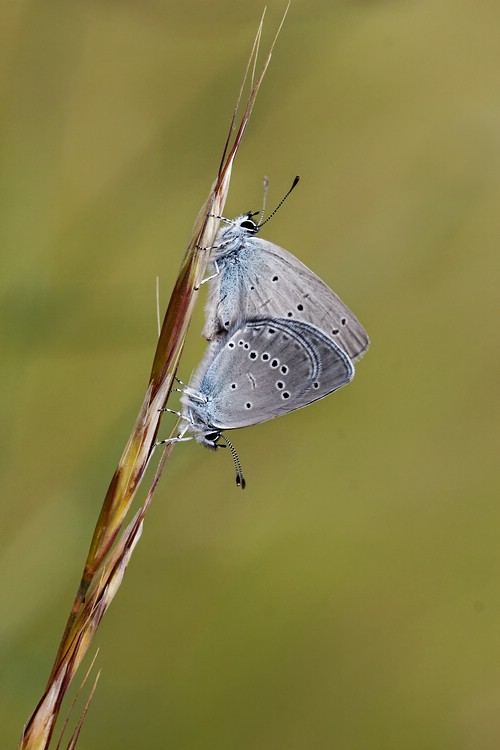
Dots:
(194, 395)
(190, 392)
(209, 278)
(172, 411)
(180, 437)
(179, 390)
(172, 441)
(221, 218)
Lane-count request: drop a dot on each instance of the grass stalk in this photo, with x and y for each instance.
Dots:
(112, 545)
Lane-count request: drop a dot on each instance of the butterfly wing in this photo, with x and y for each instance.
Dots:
(263, 279)
(266, 368)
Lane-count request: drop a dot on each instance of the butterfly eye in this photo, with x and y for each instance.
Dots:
(212, 437)
(250, 225)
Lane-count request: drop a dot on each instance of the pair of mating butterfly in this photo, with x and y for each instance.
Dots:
(280, 338)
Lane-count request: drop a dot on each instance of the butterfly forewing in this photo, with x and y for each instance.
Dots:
(260, 278)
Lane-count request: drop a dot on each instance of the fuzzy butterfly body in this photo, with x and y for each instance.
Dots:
(254, 278)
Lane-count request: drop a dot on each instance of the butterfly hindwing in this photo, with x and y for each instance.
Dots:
(265, 368)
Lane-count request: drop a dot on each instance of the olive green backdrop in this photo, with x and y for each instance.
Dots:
(350, 597)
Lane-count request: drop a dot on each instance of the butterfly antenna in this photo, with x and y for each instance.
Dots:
(240, 479)
(294, 184)
(264, 198)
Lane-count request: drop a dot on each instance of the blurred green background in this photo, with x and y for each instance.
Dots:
(350, 597)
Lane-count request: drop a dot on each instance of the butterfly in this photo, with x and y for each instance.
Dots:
(260, 370)
(252, 278)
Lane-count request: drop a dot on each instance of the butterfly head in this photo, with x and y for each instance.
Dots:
(246, 222)
(245, 225)
(210, 439)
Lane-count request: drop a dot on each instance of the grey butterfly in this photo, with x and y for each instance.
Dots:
(252, 278)
(262, 369)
